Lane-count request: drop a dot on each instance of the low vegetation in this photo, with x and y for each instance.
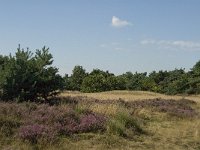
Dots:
(35, 113)
(81, 122)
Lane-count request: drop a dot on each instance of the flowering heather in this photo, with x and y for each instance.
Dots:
(91, 122)
(42, 123)
(179, 108)
(46, 122)
(35, 132)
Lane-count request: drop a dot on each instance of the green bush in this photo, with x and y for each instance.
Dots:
(116, 127)
(25, 76)
(124, 124)
(94, 83)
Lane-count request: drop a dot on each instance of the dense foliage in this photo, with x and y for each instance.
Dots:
(31, 77)
(172, 82)
(28, 77)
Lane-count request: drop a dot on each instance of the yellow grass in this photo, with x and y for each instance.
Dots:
(107, 109)
(165, 133)
(129, 95)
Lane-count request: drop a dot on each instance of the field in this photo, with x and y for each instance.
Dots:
(107, 120)
(129, 95)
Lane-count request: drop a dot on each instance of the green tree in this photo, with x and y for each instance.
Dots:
(120, 83)
(159, 78)
(30, 77)
(94, 83)
(99, 81)
(135, 82)
(67, 82)
(76, 79)
(175, 82)
(194, 79)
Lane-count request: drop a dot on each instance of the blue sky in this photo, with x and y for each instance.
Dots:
(114, 35)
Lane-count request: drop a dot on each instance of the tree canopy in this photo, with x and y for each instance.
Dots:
(29, 77)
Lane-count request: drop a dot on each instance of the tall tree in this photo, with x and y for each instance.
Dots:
(30, 77)
(78, 74)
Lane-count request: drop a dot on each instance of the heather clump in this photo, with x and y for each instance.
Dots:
(34, 133)
(91, 122)
(48, 122)
(180, 108)
(42, 123)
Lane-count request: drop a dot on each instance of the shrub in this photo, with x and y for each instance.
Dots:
(91, 123)
(123, 123)
(116, 127)
(63, 120)
(34, 133)
(129, 122)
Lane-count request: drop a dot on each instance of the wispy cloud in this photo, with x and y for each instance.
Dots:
(116, 22)
(177, 44)
(114, 46)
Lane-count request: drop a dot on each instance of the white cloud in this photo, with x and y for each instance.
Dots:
(114, 46)
(178, 44)
(116, 22)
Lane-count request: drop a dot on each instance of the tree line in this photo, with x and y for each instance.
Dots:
(28, 76)
(177, 81)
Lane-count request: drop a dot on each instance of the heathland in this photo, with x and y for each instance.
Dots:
(40, 109)
(107, 120)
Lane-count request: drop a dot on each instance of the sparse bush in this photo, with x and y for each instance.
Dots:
(122, 124)
(129, 122)
(116, 127)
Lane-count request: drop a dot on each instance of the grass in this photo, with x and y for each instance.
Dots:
(107, 120)
(129, 95)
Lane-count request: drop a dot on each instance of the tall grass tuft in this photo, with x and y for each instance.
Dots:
(123, 124)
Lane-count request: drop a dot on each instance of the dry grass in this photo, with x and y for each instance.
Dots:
(129, 95)
(164, 131)
(107, 109)
(175, 134)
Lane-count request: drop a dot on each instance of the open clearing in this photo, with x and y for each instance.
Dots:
(129, 95)
(166, 132)
(136, 120)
